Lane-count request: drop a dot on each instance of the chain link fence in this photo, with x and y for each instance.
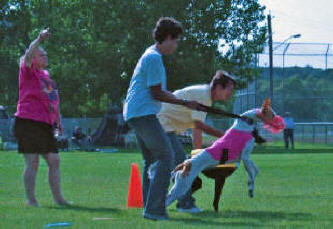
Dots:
(302, 85)
(314, 133)
(302, 78)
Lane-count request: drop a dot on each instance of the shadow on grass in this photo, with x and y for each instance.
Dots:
(282, 150)
(199, 220)
(324, 197)
(86, 209)
(263, 216)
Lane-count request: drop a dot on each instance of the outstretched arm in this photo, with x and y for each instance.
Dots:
(167, 97)
(31, 51)
(200, 127)
(208, 129)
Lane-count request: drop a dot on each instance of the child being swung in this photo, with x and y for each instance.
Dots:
(239, 143)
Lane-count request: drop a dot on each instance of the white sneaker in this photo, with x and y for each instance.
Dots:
(190, 210)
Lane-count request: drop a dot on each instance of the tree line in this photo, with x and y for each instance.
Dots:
(95, 45)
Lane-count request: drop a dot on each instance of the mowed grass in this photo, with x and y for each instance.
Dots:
(292, 191)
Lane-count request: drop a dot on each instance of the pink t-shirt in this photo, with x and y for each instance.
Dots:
(38, 95)
(234, 140)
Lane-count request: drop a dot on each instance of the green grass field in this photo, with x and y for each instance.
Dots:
(293, 190)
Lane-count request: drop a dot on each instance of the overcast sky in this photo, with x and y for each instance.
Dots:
(313, 19)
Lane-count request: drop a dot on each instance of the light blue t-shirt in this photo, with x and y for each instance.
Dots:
(148, 72)
(289, 121)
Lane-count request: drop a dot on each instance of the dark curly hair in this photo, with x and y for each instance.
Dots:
(166, 26)
(222, 78)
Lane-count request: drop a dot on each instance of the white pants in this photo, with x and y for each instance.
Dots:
(182, 185)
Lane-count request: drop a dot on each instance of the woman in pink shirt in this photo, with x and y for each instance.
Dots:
(37, 114)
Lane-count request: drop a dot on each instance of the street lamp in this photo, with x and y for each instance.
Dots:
(282, 80)
(290, 37)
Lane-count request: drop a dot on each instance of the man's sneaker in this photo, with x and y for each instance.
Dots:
(155, 217)
(193, 209)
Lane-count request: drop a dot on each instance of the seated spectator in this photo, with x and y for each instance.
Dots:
(81, 139)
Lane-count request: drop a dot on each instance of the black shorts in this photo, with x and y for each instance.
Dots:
(34, 137)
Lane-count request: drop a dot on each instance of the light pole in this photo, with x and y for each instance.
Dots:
(270, 45)
(284, 53)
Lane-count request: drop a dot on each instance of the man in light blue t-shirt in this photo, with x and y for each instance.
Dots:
(146, 91)
(288, 132)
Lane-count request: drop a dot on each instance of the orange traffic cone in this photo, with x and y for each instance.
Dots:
(134, 198)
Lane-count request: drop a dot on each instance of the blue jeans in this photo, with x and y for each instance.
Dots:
(157, 158)
(182, 184)
(187, 201)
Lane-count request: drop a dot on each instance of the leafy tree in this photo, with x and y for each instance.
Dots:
(95, 45)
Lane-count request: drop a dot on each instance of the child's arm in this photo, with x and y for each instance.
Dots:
(185, 167)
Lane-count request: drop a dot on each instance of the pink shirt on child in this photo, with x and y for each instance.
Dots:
(234, 140)
(38, 95)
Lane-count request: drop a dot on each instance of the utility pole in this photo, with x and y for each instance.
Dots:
(270, 44)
